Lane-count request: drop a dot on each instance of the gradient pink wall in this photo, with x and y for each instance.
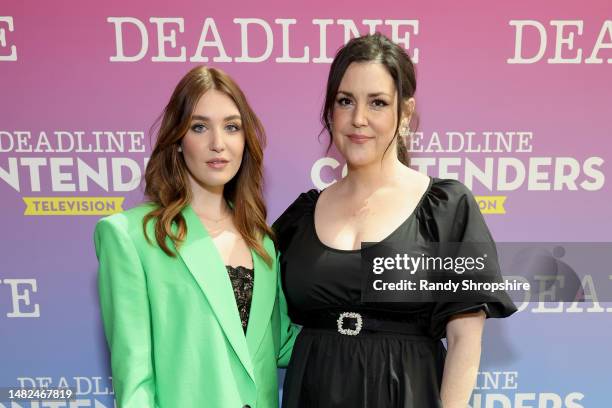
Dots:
(63, 79)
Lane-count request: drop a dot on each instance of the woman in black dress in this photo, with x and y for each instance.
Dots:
(352, 353)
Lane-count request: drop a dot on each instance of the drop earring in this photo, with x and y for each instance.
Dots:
(180, 149)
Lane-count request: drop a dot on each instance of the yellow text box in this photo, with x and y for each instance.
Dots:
(491, 204)
(72, 205)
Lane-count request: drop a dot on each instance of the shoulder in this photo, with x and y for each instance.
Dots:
(304, 204)
(448, 209)
(128, 222)
(294, 215)
(450, 192)
(448, 198)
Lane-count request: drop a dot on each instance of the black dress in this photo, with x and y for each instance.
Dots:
(374, 369)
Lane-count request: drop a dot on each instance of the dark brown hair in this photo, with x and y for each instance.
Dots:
(372, 48)
(166, 176)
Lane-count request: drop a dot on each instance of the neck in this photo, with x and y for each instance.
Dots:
(364, 180)
(208, 201)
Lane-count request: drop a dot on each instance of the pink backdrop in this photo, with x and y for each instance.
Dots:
(57, 74)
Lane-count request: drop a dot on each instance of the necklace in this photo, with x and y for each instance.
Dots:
(215, 220)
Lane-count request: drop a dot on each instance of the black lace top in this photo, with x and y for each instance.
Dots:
(242, 281)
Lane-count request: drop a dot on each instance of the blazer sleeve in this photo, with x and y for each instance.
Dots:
(125, 314)
(288, 330)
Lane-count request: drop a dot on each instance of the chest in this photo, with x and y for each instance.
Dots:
(230, 245)
(345, 225)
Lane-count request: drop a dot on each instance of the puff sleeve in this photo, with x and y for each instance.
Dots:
(457, 218)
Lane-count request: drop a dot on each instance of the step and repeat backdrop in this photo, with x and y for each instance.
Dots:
(514, 99)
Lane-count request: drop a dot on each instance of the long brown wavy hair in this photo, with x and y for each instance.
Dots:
(166, 176)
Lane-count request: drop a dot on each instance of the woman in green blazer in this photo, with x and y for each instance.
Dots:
(189, 291)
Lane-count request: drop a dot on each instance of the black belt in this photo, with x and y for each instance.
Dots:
(352, 323)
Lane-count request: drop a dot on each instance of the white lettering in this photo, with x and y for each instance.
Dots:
(9, 23)
(144, 39)
(163, 38)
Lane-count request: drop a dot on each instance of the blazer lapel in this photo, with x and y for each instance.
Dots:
(262, 303)
(200, 254)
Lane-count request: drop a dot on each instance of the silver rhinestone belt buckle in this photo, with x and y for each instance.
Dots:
(351, 315)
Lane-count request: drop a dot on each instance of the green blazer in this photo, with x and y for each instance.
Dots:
(172, 324)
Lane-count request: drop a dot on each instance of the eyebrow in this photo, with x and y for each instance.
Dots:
(370, 95)
(207, 119)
